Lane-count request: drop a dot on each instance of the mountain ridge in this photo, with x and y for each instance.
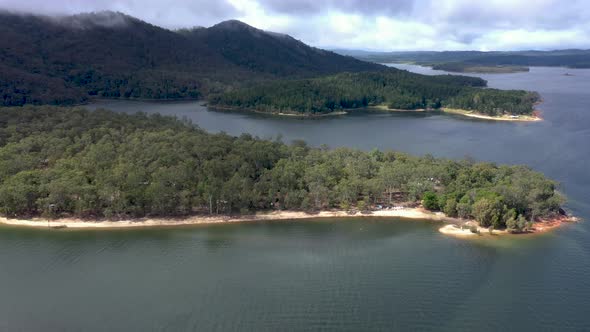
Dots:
(573, 58)
(68, 59)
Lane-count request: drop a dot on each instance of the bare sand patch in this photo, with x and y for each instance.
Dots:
(454, 226)
(409, 213)
(514, 118)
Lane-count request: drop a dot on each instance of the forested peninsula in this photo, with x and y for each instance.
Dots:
(69, 162)
(481, 62)
(388, 89)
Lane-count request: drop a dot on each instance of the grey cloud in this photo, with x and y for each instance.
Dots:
(370, 7)
(172, 14)
(550, 14)
(419, 24)
(85, 20)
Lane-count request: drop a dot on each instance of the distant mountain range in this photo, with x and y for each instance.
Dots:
(66, 60)
(572, 58)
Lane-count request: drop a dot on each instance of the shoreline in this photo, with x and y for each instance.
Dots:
(471, 114)
(292, 115)
(375, 108)
(93, 100)
(75, 223)
(516, 118)
(383, 108)
(451, 226)
(539, 227)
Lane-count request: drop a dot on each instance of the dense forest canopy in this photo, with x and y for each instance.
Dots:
(57, 162)
(65, 60)
(393, 88)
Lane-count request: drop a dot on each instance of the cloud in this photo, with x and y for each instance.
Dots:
(170, 14)
(370, 7)
(367, 24)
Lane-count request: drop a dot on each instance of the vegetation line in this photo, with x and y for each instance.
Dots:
(452, 226)
(406, 213)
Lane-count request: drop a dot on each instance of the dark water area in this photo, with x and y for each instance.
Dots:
(359, 274)
(353, 275)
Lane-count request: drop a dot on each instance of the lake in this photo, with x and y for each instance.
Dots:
(359, 274)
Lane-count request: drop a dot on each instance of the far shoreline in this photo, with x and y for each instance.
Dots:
(451, 226)
(373, 108)
(513, 118)
(278, 113)
(383, 108)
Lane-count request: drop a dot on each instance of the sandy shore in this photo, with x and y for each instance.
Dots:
(456, 230)
(519, 118)
(285, 114)
(452, 225)
(542, 226)
(385, 108)
(467, 113)
(409, 213)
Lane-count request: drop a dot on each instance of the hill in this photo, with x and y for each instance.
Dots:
(273, 53)
(475, 61)
(386, 90)
(65, 60)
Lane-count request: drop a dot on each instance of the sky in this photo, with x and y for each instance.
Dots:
(383, 25)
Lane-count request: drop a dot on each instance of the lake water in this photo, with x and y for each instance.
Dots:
(361, 274)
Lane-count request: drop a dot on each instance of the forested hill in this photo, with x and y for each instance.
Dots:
(67, 59)
(456, 59)
(60, 162)
(387, 89)
(268, 52)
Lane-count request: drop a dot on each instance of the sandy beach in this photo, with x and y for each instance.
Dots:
(384, 108)
(542, 226)
(455, 230)
(409, 213)
(518, 118)
(467, 113)
(451, 227)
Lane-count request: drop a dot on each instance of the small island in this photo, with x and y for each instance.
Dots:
(388, 90)
(69, 167)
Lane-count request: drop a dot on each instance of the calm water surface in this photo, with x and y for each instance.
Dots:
(352, 275)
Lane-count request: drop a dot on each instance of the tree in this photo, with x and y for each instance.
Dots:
(450, 208)
(416, 188)
(521, 223)
(430, 201)
(488, 212)
(464, 209)
(361, 205)
(19, 194)
(392, 176)
(510, 220)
